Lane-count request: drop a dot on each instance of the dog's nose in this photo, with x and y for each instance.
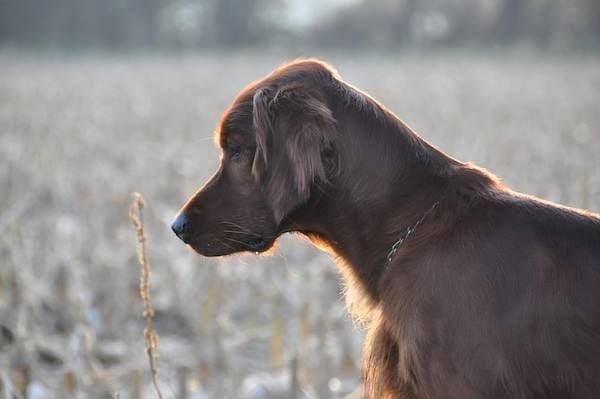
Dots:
(179, 227)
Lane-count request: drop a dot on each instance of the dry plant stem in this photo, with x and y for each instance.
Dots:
(136, 215)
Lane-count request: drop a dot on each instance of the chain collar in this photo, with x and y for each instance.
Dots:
(409, 231)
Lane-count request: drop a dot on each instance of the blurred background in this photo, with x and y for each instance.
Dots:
(77, 25)
(99, 99)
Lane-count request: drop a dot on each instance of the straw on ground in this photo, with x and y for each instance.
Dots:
(136, 215)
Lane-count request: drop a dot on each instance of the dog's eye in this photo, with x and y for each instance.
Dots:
(235, 155)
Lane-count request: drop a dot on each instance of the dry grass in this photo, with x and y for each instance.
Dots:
(78, 136)
(136, 216)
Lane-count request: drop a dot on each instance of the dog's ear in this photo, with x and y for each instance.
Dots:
(295, 133)
(261, 120)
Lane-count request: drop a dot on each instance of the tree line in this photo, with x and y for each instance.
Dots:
(115, 24)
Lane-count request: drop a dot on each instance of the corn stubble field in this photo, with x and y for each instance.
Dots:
(78, 136)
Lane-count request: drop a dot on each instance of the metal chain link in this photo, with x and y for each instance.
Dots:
(409, 231)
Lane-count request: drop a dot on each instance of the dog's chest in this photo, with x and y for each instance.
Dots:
(419, 319)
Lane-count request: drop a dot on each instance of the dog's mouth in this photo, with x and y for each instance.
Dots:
(216, 247)
(257, 244)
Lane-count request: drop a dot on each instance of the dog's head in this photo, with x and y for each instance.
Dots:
(277, 145)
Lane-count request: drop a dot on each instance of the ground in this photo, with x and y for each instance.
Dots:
(79, 135)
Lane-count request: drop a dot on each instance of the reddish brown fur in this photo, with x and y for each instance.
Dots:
(496, 294)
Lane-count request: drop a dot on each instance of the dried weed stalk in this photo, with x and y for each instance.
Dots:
(136, 215)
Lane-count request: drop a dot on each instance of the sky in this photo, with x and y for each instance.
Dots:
(300, 14)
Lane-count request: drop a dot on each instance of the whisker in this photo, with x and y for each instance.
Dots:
(228, 245)
(248, 233)
(235, 231)
(245, 229)
(235, 241)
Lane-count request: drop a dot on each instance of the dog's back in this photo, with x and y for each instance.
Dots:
(505, 304)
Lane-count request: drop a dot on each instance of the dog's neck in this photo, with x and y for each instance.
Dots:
(386, 184)
(389, 177)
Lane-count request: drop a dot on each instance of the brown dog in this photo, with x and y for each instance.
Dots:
(472, 290)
